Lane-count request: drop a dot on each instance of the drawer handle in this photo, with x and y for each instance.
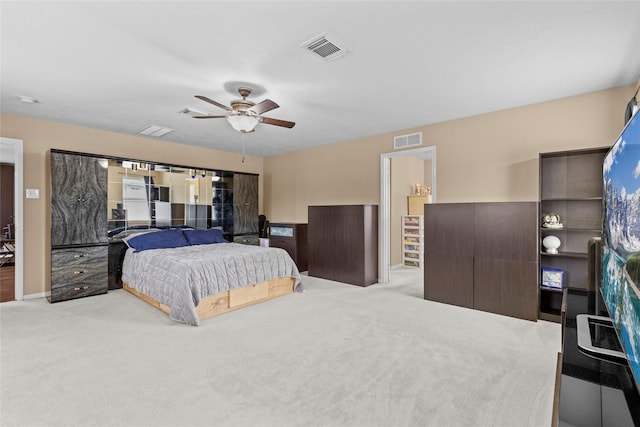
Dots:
(80, 288)
(81, 256)
(81, 272)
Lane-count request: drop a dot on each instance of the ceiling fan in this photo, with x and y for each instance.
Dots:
(246, 114)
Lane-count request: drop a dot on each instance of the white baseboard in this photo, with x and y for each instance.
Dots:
(35, 296)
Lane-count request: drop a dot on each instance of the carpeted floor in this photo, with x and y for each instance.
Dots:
(335, 355)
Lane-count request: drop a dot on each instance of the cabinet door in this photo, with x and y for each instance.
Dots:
(506, 287)
(449, 229)
(93, 191)
(245, 203)
(448, 279)
(66, 177)
(78, 200)
(448, 253)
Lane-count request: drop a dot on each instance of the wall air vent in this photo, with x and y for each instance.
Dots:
(410, 140)
(326, 47)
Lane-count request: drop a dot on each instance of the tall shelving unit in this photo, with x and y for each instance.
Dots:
(413, 241)
(570, 186)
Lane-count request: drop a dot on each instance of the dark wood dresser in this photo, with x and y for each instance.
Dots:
(293, 238)
(343, 243)
(483, 256)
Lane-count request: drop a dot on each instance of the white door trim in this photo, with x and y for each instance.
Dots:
(385, 202)
(15, 149)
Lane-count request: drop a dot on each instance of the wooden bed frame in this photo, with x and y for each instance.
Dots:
(233, 299)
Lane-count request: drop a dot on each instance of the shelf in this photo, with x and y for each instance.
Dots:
(557, 291)
(571, 199)
(412, 240)
(550, 317)
(571, 187)
(572, 229)
(565, 254)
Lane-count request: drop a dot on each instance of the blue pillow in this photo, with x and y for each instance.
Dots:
(204, 237)
(156, 240)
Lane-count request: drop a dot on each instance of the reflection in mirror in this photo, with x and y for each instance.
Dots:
(198, 207)
(159, 186)
(148, 195)
(127, 195)
(179, 179)
(138, 195)
(204, 188)
(222, 202)
(115, 206)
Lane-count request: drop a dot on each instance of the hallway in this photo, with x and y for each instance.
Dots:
(7, 283)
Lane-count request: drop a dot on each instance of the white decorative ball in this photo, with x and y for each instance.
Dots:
(551, 244)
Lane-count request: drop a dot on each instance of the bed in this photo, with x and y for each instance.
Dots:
(195, 274)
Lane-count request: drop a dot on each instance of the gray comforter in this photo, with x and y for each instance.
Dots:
(181, 277)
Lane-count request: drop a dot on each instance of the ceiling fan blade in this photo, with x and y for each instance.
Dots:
(208, 117)
(263, 107)
(211, 101)
(277, 122)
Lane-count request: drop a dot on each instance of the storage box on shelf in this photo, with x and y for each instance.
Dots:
(571, 187)
(413, 240)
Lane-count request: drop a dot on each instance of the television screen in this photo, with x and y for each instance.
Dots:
(621, 240)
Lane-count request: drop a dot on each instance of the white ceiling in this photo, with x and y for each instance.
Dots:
(122, 66)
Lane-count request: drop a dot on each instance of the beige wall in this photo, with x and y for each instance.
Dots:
(490, 157)
(39, 136)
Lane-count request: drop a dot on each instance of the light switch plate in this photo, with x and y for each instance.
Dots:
(33, 193)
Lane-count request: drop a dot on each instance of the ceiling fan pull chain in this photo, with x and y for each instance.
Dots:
(242, 147)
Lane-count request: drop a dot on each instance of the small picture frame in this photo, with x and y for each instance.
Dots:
(552, 278)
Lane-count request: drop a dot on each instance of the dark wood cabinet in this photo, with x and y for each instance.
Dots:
(343, 243)
(79, 250)
(483, 256)
(571, 187)
(293, 238)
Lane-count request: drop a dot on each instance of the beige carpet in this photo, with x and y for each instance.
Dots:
(335, 355)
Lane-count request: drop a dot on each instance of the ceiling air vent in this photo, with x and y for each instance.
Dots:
(326, 47)
(410, 140)
(155, 131)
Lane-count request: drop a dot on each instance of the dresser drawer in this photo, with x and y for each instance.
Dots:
(70, 257)
(285, 243)
(292, 237)
(64, 292)
(250, 239)
(78, 272)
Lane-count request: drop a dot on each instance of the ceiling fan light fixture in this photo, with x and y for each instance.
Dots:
(242, 122)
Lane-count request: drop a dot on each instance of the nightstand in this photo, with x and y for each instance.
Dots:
(291, 237)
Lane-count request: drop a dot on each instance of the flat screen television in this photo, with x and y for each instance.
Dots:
(620, 284)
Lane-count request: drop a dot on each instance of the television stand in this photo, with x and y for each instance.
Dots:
(592, 391)
(597, 338)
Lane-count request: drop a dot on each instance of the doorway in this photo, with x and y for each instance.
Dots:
(11, 154)
(426, 154)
